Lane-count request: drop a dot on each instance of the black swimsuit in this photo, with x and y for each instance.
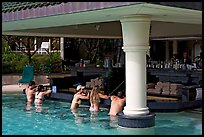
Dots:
(40, 99)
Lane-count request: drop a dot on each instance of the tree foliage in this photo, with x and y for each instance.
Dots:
(97, 48)
(13, 62)
(25, 44)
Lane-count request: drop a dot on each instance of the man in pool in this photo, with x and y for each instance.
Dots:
(30, 92)
(117, 103)
(78, 96)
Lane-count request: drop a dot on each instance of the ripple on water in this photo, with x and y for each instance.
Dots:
(55, 118)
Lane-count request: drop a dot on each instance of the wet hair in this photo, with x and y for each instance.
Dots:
(31, 83)
(39, 88)
(94, 97)
(121, 94)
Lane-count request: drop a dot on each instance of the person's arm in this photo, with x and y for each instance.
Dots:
(26, 91)
(102, 92)
(84, 97)
(103, 96)
(47, 92)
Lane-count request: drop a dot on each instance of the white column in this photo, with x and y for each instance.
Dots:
(135, 31)
(62, 48)
(21, 44)
(175, 47)
(35, 42)
(50, 44)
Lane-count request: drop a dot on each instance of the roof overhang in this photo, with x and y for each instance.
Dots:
(83, 23)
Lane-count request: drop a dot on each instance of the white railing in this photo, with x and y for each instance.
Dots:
(43, 52)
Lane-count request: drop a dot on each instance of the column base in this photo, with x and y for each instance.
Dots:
(135, 112)
(140, 121)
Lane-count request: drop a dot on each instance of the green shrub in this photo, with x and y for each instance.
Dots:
(14, 62)
(20, 63)
(47, 63)
(43, 64)
(14, 65)
(55, 62)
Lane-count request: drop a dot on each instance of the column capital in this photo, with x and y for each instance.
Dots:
(136, 18)
(135, 48)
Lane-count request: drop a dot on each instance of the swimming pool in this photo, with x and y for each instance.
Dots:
(55, 118)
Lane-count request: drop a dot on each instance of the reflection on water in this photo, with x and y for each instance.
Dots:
(55, 118)
(93, 116)
(136, 131)
(78, 117)
(181, 123)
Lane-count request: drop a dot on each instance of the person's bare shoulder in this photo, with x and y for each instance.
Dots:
(33, 91)
(113, 97)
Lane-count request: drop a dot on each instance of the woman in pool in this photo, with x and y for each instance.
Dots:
(39, 94)
(76, 101)
(95, 96)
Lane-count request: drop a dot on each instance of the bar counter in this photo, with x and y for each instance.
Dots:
(86, 71)
(114, 76)
(186, 77)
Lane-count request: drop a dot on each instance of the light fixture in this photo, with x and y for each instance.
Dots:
(97, 27)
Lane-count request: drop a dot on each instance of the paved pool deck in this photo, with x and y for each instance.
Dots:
(14, 88)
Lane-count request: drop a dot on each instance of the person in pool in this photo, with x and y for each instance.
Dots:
(95, 96)
(30, 92)
(76, 101)
(117, 103)
(40, 93)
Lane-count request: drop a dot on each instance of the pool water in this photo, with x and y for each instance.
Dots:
(55, 118)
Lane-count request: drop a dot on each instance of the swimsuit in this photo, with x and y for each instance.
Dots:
(78, 101)
(40, 99)
(92, 109)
